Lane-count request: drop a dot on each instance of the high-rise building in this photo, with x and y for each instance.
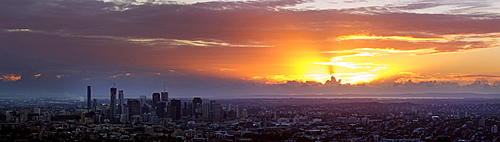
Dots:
(187, 109)
(134, 107)
(216, 110)
(89, 97)
(212, 110)
(494, 129)
(121, 107)
(112, 104)
(160, 111)
(174, 110)
(143, 100)
(164, 96)
(156, 99)
(206, 110)
(197, 106)
(237, 110)
(94, 106)
(244, 113)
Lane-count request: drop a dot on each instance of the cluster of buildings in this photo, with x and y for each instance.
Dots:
(287, 119)
(157, 109)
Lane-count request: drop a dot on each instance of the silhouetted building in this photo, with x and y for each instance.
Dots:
(112, 104)
(156, 99)
(187, 109)
(143, 100)
(216, 110)
(94, 106)
(212, 110)
(145, 109)
(197, 106)
(244, 113)
(89, 97)
(134, 107)
(160, 111)
(174, 110)
(121, 107)
(164, 96)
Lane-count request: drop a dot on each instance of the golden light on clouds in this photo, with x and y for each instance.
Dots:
(59, 76)
(10, 77)
(400, 38)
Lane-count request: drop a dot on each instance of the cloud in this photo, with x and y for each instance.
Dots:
(90, 41)
(10, 77)
(476, 76)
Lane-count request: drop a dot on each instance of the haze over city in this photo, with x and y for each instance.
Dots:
(249, 48)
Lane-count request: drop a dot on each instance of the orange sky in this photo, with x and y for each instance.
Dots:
(261, 42)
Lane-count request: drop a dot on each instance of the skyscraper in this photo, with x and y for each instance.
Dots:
(156, 99)
(212, 110)
(187, 109)
(216, 110)
(143, 100)
(160, 111)
(94, 106)
(174, 110)
(134, 107)
(244, 113)
(112, 104)
(89, 97)
(197, 106)
(121, 107)
(164, 96)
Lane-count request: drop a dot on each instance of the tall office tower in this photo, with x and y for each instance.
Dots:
(156, 99)
(216, 110)
(121, 107)
(197, 106)
(237, 109)
(164, 96)
(244, 113)
(160, 111)
(94, 106)
(174, 110)
(134, 107)
(89, 97)
(228, 108)
(206, 110)
(112, 104)
(187, 109)
(143, 100)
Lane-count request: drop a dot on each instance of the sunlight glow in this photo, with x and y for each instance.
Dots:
(400, 38)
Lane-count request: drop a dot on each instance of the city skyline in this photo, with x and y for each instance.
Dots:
(248, 48)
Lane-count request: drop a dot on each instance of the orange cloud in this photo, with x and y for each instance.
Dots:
(10, 77)
(59, 76)
(400, 38)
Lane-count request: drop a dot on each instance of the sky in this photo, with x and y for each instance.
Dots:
(235, 48)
